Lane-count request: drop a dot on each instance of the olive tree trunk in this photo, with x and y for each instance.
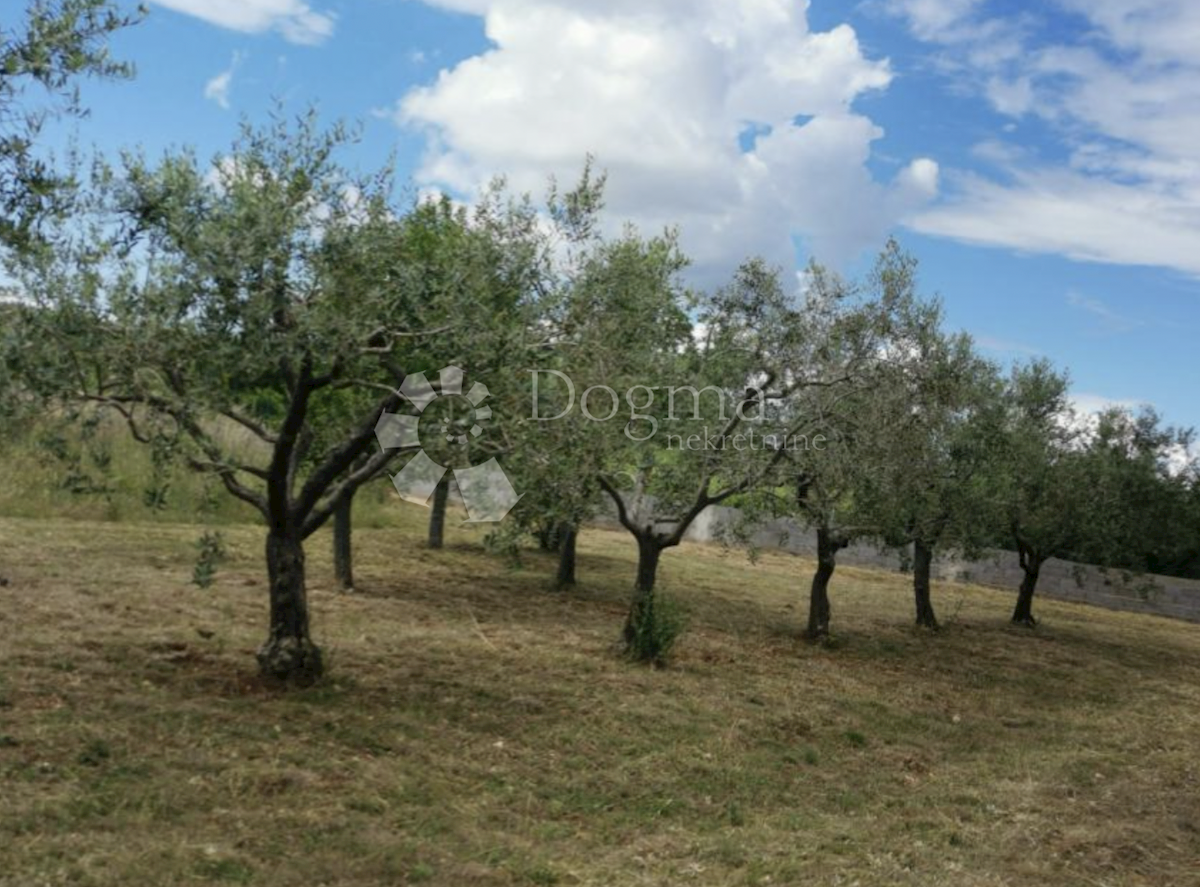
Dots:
(566, 557)
(437, 515)
(819, 610)
(288, 653)
(922, 569)
(1031, 564)
(641, 610)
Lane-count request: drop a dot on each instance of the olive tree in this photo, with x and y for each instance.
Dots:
(45, 51)
(1054, 504)
(613, 315)
(932, 478)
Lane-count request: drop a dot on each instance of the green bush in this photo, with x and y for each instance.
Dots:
(653, 633)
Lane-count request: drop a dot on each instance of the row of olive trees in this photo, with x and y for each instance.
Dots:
(273, 290)
(974, 459)
(927, 446)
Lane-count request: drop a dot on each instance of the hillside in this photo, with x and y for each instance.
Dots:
(477, 729)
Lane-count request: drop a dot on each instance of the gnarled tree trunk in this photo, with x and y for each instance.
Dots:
(819, 611)
(289, 653)
(922, 568)
(641, 610)
(1031, 563)
(437, 515)
(343, 559)
(566, 557)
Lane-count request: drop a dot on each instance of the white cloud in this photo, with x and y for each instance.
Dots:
(997, 152)
(1081, 217)
(1123, 95)
(294, 19)
(1182, 459)
(660, 92)
(217, 89)
(934, 19)
(1014, 98)
(1167, 30)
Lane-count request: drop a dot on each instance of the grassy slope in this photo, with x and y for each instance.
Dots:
(478, 729)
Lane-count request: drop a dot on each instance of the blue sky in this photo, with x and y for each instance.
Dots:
(1040, 159)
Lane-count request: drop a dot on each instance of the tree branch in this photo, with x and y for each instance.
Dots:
(341, 458)
(257, 429)
(233, 485)
(622, 511)
(325, 508)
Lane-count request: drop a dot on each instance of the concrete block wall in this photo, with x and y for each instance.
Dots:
(1060, 580)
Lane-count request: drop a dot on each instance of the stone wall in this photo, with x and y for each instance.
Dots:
(1060, 580)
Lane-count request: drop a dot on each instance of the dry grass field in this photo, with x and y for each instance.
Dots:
(479, 729)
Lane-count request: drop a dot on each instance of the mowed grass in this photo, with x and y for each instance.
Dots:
(477, 728)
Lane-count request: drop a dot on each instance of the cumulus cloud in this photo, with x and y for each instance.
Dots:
(735, 121)
(1123, 96)
(294, 19)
